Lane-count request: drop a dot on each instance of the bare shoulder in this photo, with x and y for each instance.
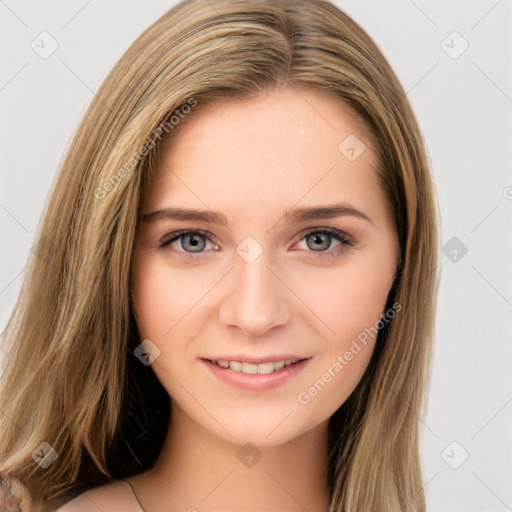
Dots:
(112, 497)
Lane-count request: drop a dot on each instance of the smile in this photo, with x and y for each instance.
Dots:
(252, 368)
(256, 376)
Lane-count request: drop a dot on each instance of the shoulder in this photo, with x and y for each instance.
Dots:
(115, 497)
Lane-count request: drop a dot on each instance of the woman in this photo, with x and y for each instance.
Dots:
(235, 282)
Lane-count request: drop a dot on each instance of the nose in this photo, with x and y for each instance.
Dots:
(255, 301)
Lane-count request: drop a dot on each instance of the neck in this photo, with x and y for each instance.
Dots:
(197, 471)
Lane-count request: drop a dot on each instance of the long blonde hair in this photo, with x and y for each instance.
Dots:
(70, 378)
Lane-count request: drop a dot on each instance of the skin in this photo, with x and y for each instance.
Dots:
(253, 161)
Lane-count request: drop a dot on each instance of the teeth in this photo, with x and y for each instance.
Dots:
(279, 365)
(252, 369)
(265, 367)
(235, 365)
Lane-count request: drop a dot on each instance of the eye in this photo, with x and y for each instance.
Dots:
(188, 243)
(191, 241)
(319, 240)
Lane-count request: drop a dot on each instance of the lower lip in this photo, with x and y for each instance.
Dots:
(256, 381)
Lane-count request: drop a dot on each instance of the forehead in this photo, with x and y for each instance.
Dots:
(268, 152)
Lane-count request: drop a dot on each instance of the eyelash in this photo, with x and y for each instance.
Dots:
(336, 234)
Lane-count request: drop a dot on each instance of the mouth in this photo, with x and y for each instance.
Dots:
(254, 374)
(255, 368)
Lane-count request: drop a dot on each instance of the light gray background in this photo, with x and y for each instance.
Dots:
(464, 107)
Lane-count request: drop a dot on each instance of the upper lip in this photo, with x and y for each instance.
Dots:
(257, 360)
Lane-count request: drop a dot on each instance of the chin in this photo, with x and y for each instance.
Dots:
(264, 430)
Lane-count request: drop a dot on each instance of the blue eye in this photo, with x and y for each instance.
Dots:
(322, 240)
(192, 241)
(319, 240)
(188, 243)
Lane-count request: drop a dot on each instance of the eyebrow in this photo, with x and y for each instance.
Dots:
(293, 215)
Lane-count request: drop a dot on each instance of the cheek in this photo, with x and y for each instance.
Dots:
(154, 302)
(163, 296)
(350, 305)
(349, 298)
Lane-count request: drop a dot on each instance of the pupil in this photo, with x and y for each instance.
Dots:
(194, 241)
(318, 239)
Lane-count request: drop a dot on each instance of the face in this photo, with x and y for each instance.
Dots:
(239, 267)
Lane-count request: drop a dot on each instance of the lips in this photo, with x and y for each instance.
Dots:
(254, 368)
(257, 375)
